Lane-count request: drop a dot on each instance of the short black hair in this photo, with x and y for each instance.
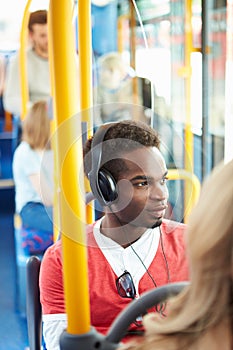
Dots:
(37, 17)
(122, 137)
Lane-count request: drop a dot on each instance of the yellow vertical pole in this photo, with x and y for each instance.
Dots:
(133, 51)
(23, 61)
(120, 34)
(188, 157)
(132, 35)
(85, 59)
(70, 169)
(85, 69)
(56, 222)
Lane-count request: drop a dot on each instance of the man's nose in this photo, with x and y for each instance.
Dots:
(159, 192)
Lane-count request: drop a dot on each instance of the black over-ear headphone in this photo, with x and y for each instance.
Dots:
(102, 182)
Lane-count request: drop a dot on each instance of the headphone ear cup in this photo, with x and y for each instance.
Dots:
(107, 187)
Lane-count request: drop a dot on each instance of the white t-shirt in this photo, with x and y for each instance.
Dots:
(26, 162)
(38, 77)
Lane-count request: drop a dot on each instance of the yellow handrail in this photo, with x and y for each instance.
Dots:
(85, 62)
(188, 152)
(53, 127)
(195, 187)
(186, 72)
(120, 32)
(70, 172)
(23, 62)
(85, 69)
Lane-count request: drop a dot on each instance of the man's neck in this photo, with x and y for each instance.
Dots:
(125, 235)
(41, 54)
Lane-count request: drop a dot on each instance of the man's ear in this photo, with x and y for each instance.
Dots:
(125, 192)
(30, 37)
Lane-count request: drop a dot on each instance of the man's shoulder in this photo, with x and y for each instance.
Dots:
(174, 235)
(55, 248)
(34, 57)
(173, 227)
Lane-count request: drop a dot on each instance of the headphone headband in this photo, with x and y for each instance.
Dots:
(102, 182)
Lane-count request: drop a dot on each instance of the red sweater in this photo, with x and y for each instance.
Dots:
(105, 303)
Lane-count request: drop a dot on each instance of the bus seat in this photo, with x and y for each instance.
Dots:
(139, 307)
(22, 255)
(33, 306)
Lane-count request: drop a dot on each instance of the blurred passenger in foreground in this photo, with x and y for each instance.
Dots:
(201, 317)
(33, 176)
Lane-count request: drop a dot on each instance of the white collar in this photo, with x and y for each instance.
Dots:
(121, 259)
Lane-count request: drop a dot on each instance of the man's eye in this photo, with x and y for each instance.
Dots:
(164, 180)
(141, 184)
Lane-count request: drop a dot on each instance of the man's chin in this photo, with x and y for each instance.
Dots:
(157, 223)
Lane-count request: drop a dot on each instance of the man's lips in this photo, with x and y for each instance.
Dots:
(157, 209)
(157, 212)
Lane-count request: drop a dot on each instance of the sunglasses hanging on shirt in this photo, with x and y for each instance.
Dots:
(125, 286)
(126, 289)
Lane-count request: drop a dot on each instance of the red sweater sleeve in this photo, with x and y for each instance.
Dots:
(51, 281)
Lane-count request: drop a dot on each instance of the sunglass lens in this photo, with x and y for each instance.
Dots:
(125, 286)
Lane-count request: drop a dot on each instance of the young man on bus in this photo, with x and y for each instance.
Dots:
(132, 248)
(37, 67)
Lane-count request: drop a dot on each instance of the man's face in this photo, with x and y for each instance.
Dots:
(142, 188)
(39, 38)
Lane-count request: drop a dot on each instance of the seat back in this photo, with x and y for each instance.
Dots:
(139, 307)
(33, 306)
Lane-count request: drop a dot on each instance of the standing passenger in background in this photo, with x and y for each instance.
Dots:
(33, 174)
(37, 67)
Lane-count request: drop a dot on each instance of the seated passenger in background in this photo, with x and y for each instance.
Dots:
(33, 176)
(201, 317)
(131, 249)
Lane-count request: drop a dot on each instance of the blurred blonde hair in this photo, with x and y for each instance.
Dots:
(36, 126)
(206, 306)
(113, 60)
